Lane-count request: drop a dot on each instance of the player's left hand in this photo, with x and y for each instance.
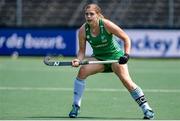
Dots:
(124, 59)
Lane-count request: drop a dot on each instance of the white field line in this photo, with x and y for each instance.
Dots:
(87, 89)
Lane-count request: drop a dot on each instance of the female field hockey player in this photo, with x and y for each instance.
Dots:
(99, 32)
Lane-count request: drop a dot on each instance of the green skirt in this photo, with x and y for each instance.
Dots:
(104, 57)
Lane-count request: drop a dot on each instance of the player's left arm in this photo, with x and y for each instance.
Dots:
(117, 31)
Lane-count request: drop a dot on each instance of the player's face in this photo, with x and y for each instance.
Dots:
(90, 16)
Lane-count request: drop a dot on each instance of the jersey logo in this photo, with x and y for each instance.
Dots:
(103, 39)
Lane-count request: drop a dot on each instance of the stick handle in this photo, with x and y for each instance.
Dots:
(103, 62)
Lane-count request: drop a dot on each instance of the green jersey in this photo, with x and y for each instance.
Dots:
(104, 45)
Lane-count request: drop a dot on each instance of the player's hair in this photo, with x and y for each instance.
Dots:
(96, 8)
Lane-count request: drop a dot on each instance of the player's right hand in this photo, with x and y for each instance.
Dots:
(124, 59)
(75, 62)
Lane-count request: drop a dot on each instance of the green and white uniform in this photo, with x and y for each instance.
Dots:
(104, 45)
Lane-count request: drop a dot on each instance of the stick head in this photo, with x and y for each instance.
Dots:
(50, 62)
(47, 61)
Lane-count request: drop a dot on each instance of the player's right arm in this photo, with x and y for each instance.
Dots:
(82, 46)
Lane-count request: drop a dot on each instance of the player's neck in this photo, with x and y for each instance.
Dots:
(95, 29)
(94, 26)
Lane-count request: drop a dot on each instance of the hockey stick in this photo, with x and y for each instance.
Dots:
(49, 62)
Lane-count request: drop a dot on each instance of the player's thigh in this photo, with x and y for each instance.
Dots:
(121, 70)
(90, 69)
